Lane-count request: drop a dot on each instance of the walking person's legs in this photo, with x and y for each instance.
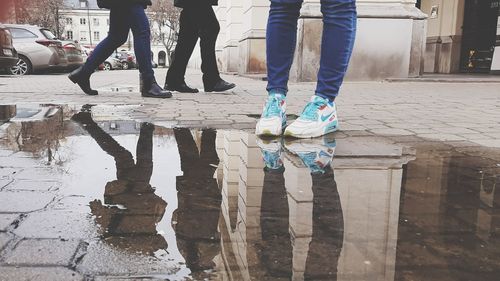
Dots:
(280, 41)
(339, 28)
(139, 24)
(188, 36)
(118, 34)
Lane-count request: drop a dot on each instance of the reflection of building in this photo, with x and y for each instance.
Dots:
(461, 36)
(390, 39)
(368, 180)
(450, 215)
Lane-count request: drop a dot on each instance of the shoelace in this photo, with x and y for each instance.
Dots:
(310, 113)
(272, 107)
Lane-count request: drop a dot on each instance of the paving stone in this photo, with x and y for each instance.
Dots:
(6, 220)
(104, 259)
(442, 137)
(488, 143)
(67, 224)
(23, 201)
(38, 273)
(31, 185)
(43, 252)
(401, 132)
(4, 239)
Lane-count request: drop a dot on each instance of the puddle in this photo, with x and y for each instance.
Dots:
(185, 204)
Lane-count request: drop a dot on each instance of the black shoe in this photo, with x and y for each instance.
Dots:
(151, 89)
(82, 79)
(181, 88)
(220, 86)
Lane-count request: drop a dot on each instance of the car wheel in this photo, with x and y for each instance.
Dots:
(107, 66)
(125, 66)
(23, 67)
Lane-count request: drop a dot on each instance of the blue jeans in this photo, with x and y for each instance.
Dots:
(339, 31)
(121, 20)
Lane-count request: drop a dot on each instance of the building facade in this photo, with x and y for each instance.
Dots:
(390, 39)
(462, 36)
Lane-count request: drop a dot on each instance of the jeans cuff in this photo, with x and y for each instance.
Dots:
(328, 97)
(277, 91)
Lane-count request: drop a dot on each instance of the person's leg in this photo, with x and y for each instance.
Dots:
(339, 31)
(328, 229)
(118, 33)
(280, 47)
(188, 36)
(208, 28)
(281, 39)
(144, 154)
(117, 36)
(139, 24)
(320, 114)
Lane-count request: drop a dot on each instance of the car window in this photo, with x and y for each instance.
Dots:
(21, 33)
(48, 34)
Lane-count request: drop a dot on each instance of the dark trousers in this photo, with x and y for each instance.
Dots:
(121, 20)
(197, 21)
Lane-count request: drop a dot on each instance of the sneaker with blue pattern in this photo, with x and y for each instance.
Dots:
(273, 118)
(316, 154)
(271, 153)
(318, 118)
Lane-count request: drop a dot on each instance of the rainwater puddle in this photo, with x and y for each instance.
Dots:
(202, 204)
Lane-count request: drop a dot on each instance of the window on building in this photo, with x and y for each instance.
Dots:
(69, 35)
(96, 22)
(21, 33)
(96, 36)
(69, 21)
(83, 21)
(108, 21)
(83, 35)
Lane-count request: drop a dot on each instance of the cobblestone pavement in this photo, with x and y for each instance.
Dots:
(440, 111)
(413, 182)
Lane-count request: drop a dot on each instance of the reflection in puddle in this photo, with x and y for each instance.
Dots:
(225, 205)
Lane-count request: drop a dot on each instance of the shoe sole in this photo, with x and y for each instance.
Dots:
(289, 134)
(157, 97)
(212, 91)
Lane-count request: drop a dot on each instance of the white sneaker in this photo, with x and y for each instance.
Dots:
(273, 118)
(318, 118)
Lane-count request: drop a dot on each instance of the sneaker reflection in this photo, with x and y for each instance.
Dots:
(131, 209)
(327, 221)
(199, 202)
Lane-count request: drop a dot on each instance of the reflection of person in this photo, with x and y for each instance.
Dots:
(319, 117)
(197, 216)
(124, 16)
(131, 209)
(327, 221)
(197, 20)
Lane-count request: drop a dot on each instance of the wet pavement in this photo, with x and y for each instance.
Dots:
(93, 193)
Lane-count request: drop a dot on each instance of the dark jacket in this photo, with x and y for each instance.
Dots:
(108, 4)
(185, 3)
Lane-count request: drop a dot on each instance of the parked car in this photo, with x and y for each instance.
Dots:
(8, 55)
(112, 63)
(74, 54)
(38, 49)
(127, 58)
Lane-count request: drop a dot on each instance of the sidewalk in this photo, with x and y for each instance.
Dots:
(438, 111)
